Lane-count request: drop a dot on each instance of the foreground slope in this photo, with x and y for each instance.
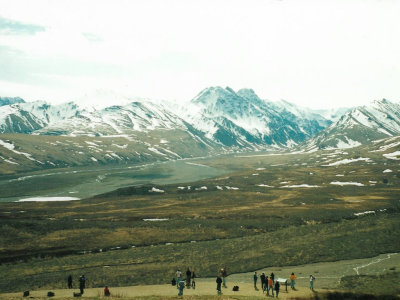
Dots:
(274, 209)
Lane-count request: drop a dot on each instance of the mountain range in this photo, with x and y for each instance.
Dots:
(217, 120)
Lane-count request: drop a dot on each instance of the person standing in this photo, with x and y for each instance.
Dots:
(219, 282)
(178, 275)
(70, 281)
(312, 278)
(107, 291)
(292, 281)
(262, 279)
(272, 276)
(224, 275)
(188, 277)
(270, 286)
(277, 286)
(255, 280)
(193, 278)
(181, 286)
(266, 287)
(82, 283)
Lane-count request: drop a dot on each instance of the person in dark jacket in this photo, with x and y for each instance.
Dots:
(219, 282)
(224, 275)
(193, 280)
(188, 277)
(255, 280)
(82, 283)
(277, 286)
(262, 279)
(272, 276)
(70, 281)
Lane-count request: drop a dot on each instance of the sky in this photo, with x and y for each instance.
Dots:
(317, 54)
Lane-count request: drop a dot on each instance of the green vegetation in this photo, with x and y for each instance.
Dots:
(247, 220)
(387, 283)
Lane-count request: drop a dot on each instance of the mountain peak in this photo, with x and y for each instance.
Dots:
(10, 100)
(247, 93)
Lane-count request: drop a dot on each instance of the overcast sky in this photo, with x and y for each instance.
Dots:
(317, 54)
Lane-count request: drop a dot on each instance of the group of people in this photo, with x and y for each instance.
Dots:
(180, 283)
(81, 280)
(271, 285)
(267, 284)
(82, 285)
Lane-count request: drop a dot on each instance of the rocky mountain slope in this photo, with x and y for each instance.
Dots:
(217, 120)
(231, 119)
(362, 125)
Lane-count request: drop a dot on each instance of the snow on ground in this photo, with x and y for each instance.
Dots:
(94, 159)
(194, 164)
(120, 146)
(231, 188)
(255, 174)
(155, 220)
(11, 162)
(349, 143)
(387, 171)
(201, 188)
(162, 141)
(393, 155)
(156, 151)
(339, 175)
(46, 199)
(171, 152)
(260, 169)
(364, 213)
(9, 146)
(299, 186)
(386, 147)
(155, 190)
(219, 187)
(347, 161)
(265, 185)
(341, 183)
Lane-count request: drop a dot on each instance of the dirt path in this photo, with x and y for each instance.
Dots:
(204, 287)
(327, 277)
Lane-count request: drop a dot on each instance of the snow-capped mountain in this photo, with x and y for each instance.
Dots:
(116, 120)
(242, 119)
(10, 100)
(361, 125)
(28, 117)
(216, 115)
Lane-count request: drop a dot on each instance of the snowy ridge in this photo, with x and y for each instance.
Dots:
(360, 126)
(236, 120)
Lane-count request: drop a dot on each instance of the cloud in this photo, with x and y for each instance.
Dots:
(11, 27)
(92, 37)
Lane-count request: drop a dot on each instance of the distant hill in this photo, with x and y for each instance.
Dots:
(360, 126)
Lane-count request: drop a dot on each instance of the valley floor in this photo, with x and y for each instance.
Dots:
(328, 277)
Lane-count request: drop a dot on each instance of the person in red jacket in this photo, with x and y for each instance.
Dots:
(106, 291)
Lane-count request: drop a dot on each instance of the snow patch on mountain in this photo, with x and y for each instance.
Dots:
(347, 161)
(394, 155)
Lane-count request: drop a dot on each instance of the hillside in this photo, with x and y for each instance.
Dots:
(360, 126)
(272, 209)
